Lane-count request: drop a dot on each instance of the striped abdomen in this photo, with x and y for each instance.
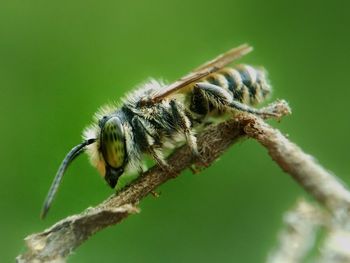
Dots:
(247, 84)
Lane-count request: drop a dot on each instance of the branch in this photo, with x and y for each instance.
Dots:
(302, 226)
(317, 181)
(336, 244)
(298, 235)
(57, 242)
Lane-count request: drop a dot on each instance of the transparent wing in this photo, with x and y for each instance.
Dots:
(200, 72)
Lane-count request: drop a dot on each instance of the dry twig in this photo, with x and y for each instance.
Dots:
(297, 238)
(317, 181)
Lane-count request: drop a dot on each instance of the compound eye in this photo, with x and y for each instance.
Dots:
(112, 142)
(102, 121)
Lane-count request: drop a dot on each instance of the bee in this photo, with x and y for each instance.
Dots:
(156, 116)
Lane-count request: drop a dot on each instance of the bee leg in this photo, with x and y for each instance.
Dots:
(260, 112)
(146, 139)
(221, 97)
(157, 156)
(198, 159)
(215, 94)
(184, 123)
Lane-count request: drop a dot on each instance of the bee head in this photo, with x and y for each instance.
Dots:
(112, 147)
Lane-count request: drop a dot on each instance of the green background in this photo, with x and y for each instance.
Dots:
(61, 60)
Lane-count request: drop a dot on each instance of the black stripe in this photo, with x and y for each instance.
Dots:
(247, 81)
(232, 85)
(140, 134)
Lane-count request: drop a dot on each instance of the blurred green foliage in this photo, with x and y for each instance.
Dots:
(61, 60)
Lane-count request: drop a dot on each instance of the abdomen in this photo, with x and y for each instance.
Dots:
(246, 84)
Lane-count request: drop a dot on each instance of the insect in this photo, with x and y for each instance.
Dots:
(156, 116)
